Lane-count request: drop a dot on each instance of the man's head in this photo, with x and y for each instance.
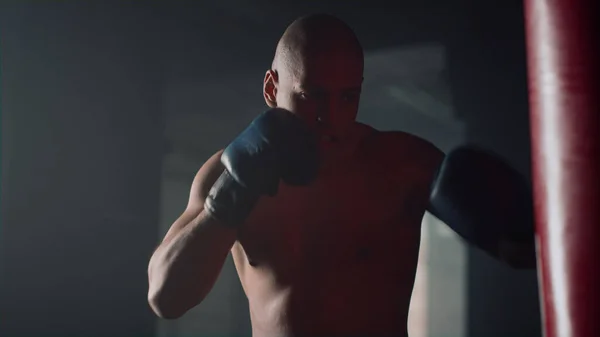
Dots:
(317, 74)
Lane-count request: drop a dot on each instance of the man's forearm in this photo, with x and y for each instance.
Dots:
(184, 268)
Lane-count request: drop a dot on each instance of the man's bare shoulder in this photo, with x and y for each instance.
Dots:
(403, 148)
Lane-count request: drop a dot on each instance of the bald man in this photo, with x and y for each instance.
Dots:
(322, 214)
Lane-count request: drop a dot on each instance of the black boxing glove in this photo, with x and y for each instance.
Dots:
(276, 146)
(483, 199)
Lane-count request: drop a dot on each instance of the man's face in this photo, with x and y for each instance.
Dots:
(324, 90)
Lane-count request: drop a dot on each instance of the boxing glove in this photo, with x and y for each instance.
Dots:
(276, 146)
(482, 199)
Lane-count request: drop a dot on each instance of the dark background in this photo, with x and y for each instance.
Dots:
(108, 108)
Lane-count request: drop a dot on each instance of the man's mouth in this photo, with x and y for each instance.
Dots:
(328, 138)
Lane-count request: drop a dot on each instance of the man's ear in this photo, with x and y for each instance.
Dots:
(270, 88)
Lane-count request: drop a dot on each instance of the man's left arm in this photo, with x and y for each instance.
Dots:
(487, 202)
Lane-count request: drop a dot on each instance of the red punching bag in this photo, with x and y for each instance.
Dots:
(562, 48)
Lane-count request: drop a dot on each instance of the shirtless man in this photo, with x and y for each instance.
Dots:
(323, 214)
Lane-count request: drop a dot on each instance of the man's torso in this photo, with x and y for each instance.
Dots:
(338, 256)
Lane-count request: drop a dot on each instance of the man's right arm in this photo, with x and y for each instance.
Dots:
(276, 146)
(186, 265)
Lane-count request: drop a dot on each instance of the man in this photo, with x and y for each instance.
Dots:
(322, 214)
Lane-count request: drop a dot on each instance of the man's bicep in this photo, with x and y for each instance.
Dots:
(203, 181)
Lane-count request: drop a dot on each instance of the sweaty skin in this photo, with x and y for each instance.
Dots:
(337, 257)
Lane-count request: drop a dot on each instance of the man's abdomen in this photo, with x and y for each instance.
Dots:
(366, 299)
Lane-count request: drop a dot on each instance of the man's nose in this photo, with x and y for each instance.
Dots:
(323, 120)
(326, 110)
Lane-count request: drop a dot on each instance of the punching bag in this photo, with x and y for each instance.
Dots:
(562, 48)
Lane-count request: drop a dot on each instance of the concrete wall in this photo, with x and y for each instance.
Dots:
(81, 155)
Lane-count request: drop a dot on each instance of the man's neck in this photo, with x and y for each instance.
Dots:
(341, 152)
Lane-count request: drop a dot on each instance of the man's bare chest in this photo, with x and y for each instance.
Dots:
(342, 220)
